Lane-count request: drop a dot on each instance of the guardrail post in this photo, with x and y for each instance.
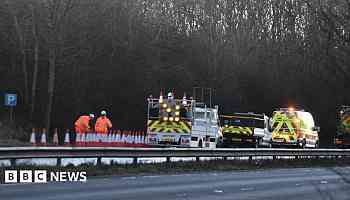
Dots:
(59, 162)
(99, 161)
(224, 158)
(13, 162)
(134, 161)
(250, 159)
(168, 159)
(274, 157)
(197, 159)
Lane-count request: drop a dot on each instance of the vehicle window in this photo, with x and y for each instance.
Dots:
(210, 115)
(212, 139)
(244, 122)
(200, 115)
(215, 117)
(154, 112)
(185, 114)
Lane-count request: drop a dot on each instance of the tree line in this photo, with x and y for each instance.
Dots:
(68, 57)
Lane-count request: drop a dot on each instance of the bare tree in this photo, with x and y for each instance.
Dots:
(36, 61)
(21, 35)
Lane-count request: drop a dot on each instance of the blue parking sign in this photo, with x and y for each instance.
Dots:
(10, 99)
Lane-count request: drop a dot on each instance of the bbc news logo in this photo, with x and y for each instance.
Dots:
(43, 176)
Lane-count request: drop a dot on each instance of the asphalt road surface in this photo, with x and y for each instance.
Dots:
(302, 183)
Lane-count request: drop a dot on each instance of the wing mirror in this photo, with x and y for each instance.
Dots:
(269, 125)
(316, 128)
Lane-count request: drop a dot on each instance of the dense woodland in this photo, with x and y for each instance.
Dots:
(68, 57)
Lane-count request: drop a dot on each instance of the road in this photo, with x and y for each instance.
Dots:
(302, 183)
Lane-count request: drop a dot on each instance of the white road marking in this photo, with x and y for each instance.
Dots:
(181, 195)
(151, 176)
(129, 178)
(247, 189)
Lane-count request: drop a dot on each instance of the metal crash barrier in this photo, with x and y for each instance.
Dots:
(14, 153)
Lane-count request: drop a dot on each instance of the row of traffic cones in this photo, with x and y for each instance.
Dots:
(113, 139)
(43, 140)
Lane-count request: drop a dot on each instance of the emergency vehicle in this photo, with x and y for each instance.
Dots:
(294, 127)
(181, 122)
(343, 127)
(241, 129)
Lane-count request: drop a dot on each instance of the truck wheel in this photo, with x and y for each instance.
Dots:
(303, 145)
(316, 145)
(269, 145)
(220, 145)
(200, 144)
(257, 142)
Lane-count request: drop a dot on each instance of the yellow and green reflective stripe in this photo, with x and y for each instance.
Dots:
(166, 126)
(282, 119)
(237, 130)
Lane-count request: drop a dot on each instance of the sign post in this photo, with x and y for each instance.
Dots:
(11, 101)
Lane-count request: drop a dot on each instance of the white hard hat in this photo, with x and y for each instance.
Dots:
(91, 115)
(103, 112)
(169, 94)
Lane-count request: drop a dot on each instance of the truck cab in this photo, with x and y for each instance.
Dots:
(205, 129)
(181, 123)
(245, 129)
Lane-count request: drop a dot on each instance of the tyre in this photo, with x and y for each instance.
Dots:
(200, 144)
(303, 144)
(269, 145)
(316, 145)
(257, 142)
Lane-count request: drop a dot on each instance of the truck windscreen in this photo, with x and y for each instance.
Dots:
(244, 122)
(153, 112)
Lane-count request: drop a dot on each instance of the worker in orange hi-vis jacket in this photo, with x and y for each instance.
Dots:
(103, 124)
(82, 125)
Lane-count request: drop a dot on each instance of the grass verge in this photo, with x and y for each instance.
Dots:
(183, 167)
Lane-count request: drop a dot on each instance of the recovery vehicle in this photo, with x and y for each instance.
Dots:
(181, 122)
(294, 127)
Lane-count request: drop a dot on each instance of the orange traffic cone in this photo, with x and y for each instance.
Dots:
(93, 139)
(143, 136)
(161, 97)
(138, 137)
(43, 138)
(184, 99)
(122, 137)
(130, 136)
(55, 137)
(66, 139)
(78, 140)
(88, 139)
(118, 137)
(112, 138)
(83, 139)
(32, 137)
(133, 138)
